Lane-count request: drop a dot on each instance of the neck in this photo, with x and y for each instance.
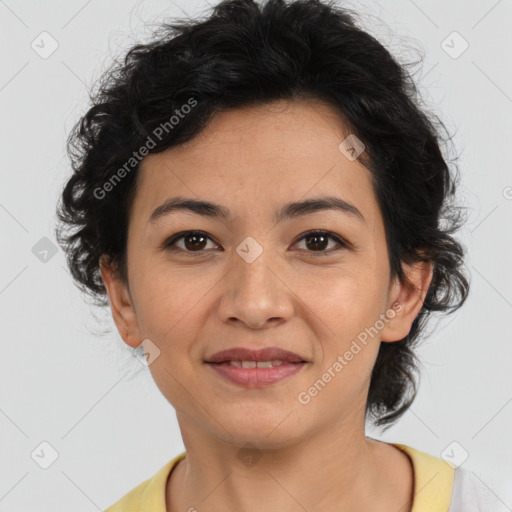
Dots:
(329, 472)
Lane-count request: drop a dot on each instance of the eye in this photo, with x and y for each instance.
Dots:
(196, 242)
(320, 241)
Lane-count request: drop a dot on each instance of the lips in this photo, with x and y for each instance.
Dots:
(256, 377)
(264, 354)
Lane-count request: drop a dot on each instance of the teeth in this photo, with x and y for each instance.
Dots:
(254, 364)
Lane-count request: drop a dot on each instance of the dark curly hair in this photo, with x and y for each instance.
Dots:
(243, 54)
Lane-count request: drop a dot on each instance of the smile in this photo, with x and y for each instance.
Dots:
(255, 364)
(256, 374)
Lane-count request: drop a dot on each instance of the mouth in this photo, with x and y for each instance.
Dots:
(256, 374)
(257, 364)
(255, 368)
(269, 356)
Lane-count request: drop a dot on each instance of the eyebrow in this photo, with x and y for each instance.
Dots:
(288, 211)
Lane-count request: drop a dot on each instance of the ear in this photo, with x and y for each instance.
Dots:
(121, 304)
(406, 300)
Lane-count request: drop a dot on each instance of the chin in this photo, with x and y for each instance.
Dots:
(265, 433)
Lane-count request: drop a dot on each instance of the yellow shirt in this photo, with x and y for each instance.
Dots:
(433, 484)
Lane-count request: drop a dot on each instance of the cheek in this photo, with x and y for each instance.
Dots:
(166, 297)
(347, 307)
(350, 306)
(345, 297)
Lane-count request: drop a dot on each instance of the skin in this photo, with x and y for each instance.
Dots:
(310, 457)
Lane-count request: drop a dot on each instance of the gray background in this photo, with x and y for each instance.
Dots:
(84, 393)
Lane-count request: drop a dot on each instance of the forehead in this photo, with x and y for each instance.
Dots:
(256, 156)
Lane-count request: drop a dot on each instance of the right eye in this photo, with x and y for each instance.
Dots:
(193, 242)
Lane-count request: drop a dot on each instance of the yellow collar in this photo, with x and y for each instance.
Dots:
(433, 481)
(433, 484)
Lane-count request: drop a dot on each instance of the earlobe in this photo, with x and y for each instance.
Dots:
(410, 296)
(123, 312)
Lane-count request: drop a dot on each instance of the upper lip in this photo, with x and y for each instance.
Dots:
(246, 354)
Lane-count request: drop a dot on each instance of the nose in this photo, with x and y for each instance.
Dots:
(255, 293)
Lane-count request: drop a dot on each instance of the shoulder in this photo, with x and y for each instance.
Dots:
(148, 495)
(439, 486)
(433, 480)
(472, 494)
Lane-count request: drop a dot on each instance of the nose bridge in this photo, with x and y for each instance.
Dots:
(253, 275)
(254, 292)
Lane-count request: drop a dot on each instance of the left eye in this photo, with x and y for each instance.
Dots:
(320, 240)
(194, 241)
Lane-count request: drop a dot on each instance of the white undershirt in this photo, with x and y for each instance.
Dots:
(471, 494)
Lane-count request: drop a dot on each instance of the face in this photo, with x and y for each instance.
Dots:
(254, 279)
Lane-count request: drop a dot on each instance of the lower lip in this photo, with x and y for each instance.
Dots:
(256, 377)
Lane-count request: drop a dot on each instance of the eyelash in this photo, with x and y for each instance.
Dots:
(169, 243)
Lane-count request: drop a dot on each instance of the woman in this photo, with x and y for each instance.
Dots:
(270, 215)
